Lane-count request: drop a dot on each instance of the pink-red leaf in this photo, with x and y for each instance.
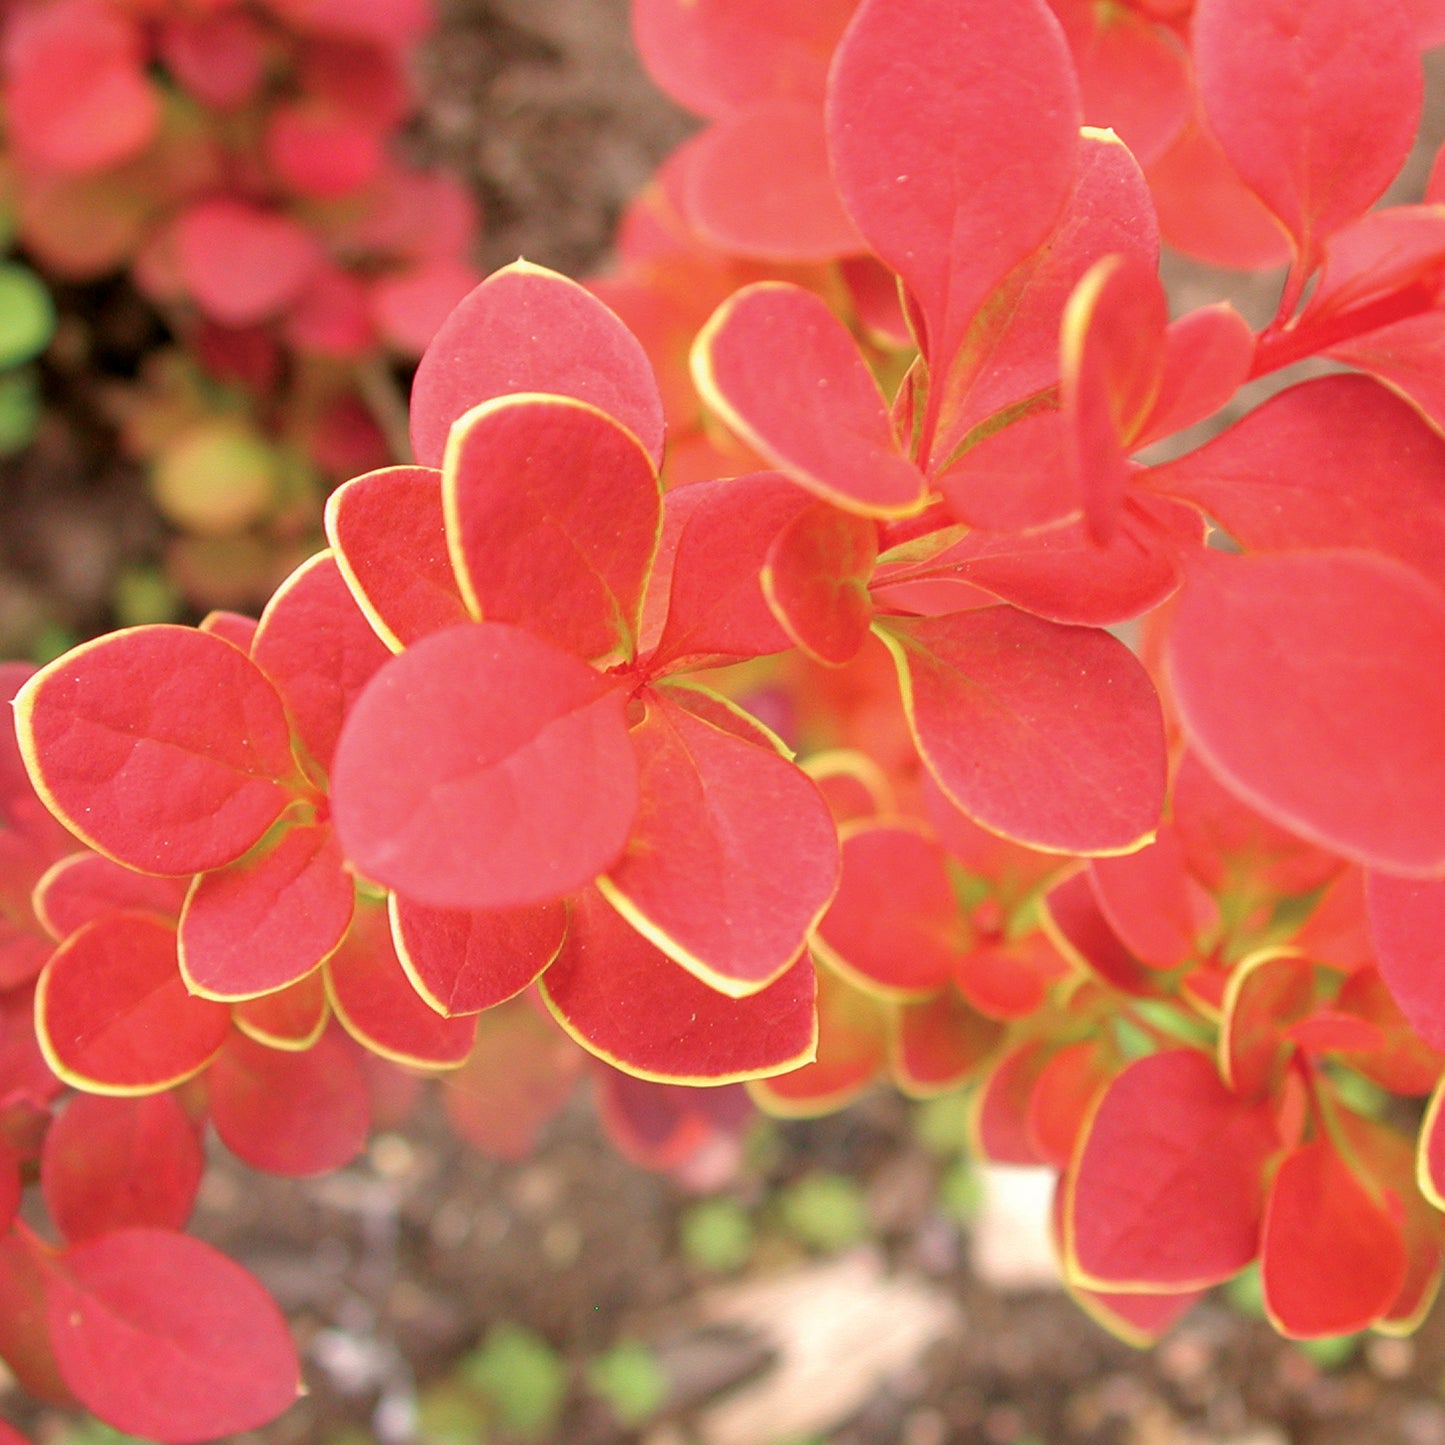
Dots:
(1113, 364)
(631, 1005)
(375, 1001)
(389, 534)
(176, 1365)
(485, 768)
(895, 926)
(1049, 735)
(528, 329)
(991, 85)
(118, 1163)
(1306, 682)
(160, 746)
(461, 961)
(1012, 350)
(83, 886)
(1407, 925)
(816, 581)
(1168, 1189)
(1333, 1257)
(733, 857)
(114, 1017)
(716, 607)
(520, 1072)
(787, 377)
(716, 56)
(243, 263)
(552, 514)
(317, 647)
(1373, 479)
(288, 1112)
(1315, 102)
(268, 920)
(757, 184)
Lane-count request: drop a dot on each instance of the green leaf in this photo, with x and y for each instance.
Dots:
(717, 1234)
(825, 1211)
(630, 1379)
(522, 1377)
(27, 314)
(19, 410)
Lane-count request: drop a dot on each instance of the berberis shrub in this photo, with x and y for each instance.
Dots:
(934, 722)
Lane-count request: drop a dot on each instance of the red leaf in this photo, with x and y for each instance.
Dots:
(1373, 479)
(462, 962)
(1012, 352)
(940, 1043)
(1001, 1107)
(1207, 356)
(1230, 847)
(631, 1005)
(85, 886)
(1206, 211)
(1113, 365)
(113, 1015)
(991, 84)
(1133, 74)
(1332, 1259)
(177, 1365)
(317, 647)
(290, 1018)
(1063, 1095)
(1407, 923)
(852, 1053)
(716, 607)
(718, 55)
(389, 534)
(520, 1072)
(1152, 903)
(1267, 992)
(161, 747)
(526, 329)
(243, 263)
(288, 1112)
(757, 184)
(1315, 102)
(375, 1000)
(695, 1133)
(1406, 357)
(1077, 925)
(733, 857)
(1431, 1152)
(320, 152)
(895, 926)
(552, 513)
(77, 97)
(1401, 1061)
(1017, 478)
(1049, 735)
(1168, 1189)
(1140, 1320)
(268, 920)
(1059, 573)
(116, 1163)
(26, 1273)
(785, 374)
(816, 581)
(1306, 682)
(485, 768)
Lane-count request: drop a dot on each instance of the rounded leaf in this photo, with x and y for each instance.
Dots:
(174, 1365)
(485, 768)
